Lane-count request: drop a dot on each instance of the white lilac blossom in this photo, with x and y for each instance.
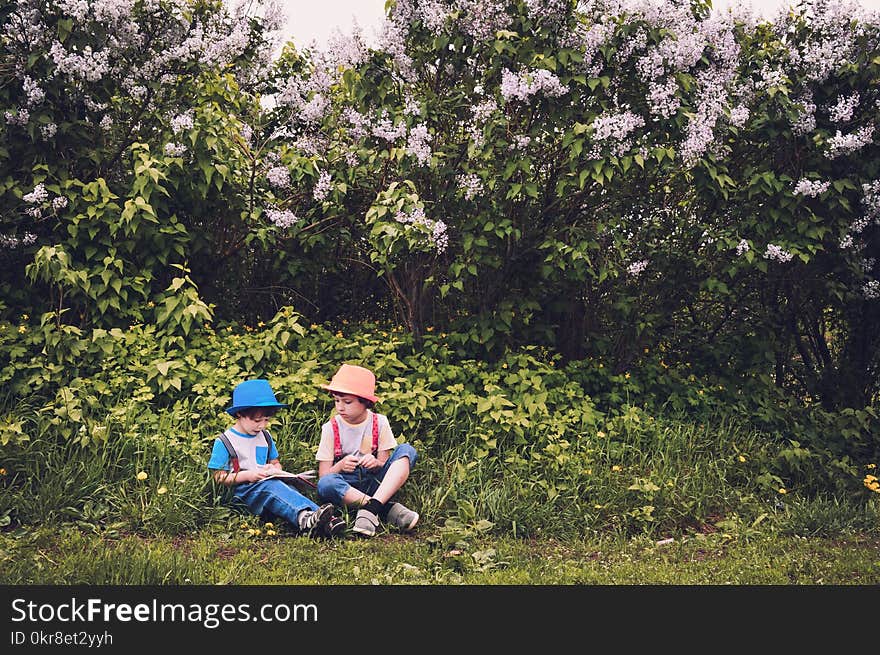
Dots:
(417, 144)
(37, 196)
(662, 98)
(278, 177)
(871, 200)
(843, 110)
(637, 268)
(323, 186)
(739, 115)
(49, 130)
(358, 123)
(614, 131)
(282, 218)
(175, 149)
(806, 121)
(9, 242)
(811, 188)
(470, 184)
(847, 242)
(59, 202)
(742, 247)
(386, 129)
(529, 82)
(182, 122)
(35, 95)
(777, 253)
(871, 290)
(412, 107)
(20, 118)
(416, 216)
(845, 144)
(481, 19)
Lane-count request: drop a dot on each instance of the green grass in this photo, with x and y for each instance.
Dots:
(221, 556)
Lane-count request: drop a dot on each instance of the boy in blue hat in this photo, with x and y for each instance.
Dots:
(255, 460)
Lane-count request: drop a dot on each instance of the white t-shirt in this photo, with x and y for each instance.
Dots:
(355, 439)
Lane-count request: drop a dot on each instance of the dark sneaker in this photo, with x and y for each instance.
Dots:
(335, 527)
(402, 517)
(315, 522)
(365, 523)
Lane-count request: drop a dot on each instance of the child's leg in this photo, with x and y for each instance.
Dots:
(274, 497)
(396, 472)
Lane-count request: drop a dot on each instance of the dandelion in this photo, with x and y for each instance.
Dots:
(244, 526)
(741, 458)
(615, 468)
(25, 317)
(162, 490)
(627, 376)
(782, 490)
(269, 524)
(2, 471)
(600, 434)
(22, 329)
(271, 533)
(598, 506)
(870, 467)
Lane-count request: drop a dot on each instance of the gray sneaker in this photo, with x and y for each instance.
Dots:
(315, 522)
(402, 517)
(365, 523)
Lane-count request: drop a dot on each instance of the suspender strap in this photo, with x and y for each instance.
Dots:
(337, 443)
(233, 456)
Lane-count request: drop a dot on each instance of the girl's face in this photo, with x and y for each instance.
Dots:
(350, 408)
(252, 422)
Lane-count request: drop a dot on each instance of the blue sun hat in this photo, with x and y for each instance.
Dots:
(252, 393)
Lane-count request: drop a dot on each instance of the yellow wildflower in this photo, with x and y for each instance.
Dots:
(627, 376)
(783, 490)
(269, 524)
(2, 471)
(271, 533)
(600, 434)
(870, 466)
(742, 458)
(24, 317)
(162, 490)
(615, 468)
(261, 324)
(22, 329)
(142, 475)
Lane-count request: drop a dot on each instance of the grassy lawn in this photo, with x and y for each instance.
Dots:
(219, 555)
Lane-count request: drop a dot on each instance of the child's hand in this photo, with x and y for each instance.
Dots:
(369, 462)
(349, 463)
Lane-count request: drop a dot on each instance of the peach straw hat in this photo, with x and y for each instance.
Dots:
(354, 380)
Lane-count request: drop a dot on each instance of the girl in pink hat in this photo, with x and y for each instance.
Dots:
(360, 463)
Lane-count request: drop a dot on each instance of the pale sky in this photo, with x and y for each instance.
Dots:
(311, 19)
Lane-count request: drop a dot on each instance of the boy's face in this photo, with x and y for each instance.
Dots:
(351, 408)
(253, 421)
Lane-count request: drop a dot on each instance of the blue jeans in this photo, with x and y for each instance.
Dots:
(332, 487)
(273, 498)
